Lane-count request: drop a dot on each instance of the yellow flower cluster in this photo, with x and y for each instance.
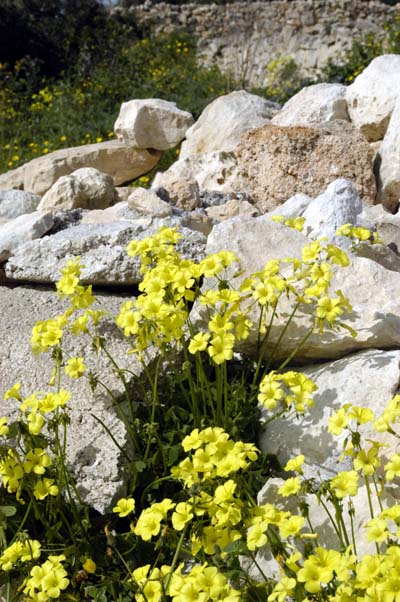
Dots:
(47, 581)
(290, 389)
(19, 551)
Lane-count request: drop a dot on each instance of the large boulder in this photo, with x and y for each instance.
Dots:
(368, 379)
(375, 317)
(212, 171)
(152, 123)
(17, 202)
(13, 179)
(101, 248)
(313, 105)
(85, 188)
(387, 163)
(92, 456)
(222, 122)
(24, 228)
(114, 158)
(276, 162)
(373, 94)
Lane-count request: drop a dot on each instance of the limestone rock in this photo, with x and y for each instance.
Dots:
(102, 249)
(13, 179)
(376, 318)
(123, 192)
(320, 521)
(293, 207)
(146, 202)
(222, 122)
(386, 225)
(85, 188)
(368, 379)
(372, 96)
(387, 162)
(183, 193)
(314, 104)
(22, 229)
(339, 204)
(120, 212)
(274, 162)
(212, 171)
(152, 123)
(114, 158)
(232, 208)
(93, 457)
(17, 202)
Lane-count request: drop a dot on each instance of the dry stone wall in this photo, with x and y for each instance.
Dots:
(243, 37)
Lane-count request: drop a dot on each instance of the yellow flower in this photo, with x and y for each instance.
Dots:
(124, 507)
(75, 367)
(221, 348)
(45, 487)
(291, 486)
(199, 342)
(3, 427)
(89, 566)
(13, 392)
(295, 464)
(345, 483)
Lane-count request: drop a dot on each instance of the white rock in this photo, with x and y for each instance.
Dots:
(373, 292)
(85, 188)
(147, 202)
(222, 122)
(101, 248)
(13, 179)
(339, 204)
(119, 212)
(386, 224)
(314, 104)
(124, 164)
(94, 459)
(212, 171)
(152, 123)
(231, 209)
(294, 207)
(17, 202)
(320, 521)
(373, 94)
(388, 163)
(22, 229)
(368, 378)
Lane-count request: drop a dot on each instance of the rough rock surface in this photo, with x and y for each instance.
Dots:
(223, 121)
(13, 179)
(232, 208)
(368, 378)
(313, 105)
(24, 228)
(152, 123)
(372, 96)
(339, 204)
(114, 158)
(17, 202)
(386, 224)
(102, 249)
(92, 456)
(387, 162)
(85, 188)
(146, 202)
(212, 171)
(183, 193)
(376, 318)
(274, 162)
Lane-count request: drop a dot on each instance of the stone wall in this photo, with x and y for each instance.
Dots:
(243, 37)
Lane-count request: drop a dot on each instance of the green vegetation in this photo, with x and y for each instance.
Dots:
(189, 527)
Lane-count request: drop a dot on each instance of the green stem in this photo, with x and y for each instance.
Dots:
(294, 352)
(153, 406)
(176, 557)
(282, 334)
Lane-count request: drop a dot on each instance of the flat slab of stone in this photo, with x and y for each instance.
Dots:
(92, 456)
(21, 229)
(122, 163)
(101, 248)
(17, 202)
(387, 163)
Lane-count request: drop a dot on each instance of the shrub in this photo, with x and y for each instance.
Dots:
(194, 469)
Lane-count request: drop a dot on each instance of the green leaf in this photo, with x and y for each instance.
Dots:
(8, 511)
(236, 547)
